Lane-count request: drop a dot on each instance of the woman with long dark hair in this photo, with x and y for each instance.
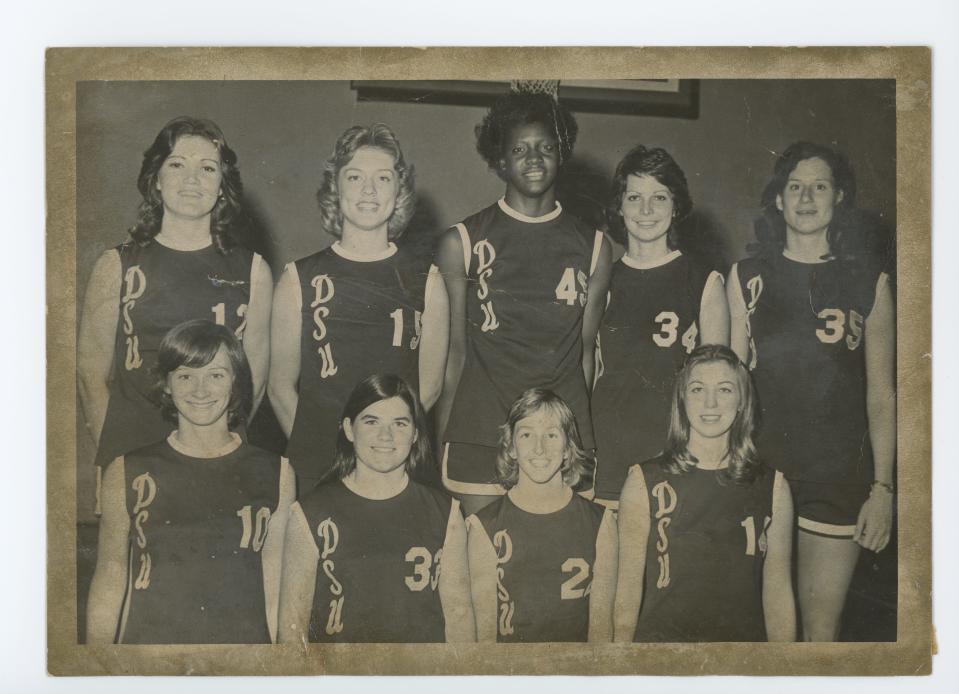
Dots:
(663, 302)
(182, 262)
(372, 555)
(813, 316)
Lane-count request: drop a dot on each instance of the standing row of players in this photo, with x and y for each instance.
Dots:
(516, 297)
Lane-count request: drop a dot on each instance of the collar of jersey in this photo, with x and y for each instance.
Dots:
(548, 217)
(359, 257)
(184, 248)
(179, 447)
(789, 256)
(659, 262)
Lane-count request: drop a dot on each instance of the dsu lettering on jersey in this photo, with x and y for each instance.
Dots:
(485, 254)
(145, 488)
(503, 544)
(324, 291)
(666, 498)
(134, 284)
(329, 536)
(755, 287)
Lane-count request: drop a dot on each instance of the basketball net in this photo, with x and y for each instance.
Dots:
(550, 87)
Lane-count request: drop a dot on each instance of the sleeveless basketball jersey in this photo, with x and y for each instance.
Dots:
(197, 527)
(544, 567)
(806, 325)
(704, 557)
(651, 323)
(161, 288)
(379, 564)
(359, 317)
(527, 284)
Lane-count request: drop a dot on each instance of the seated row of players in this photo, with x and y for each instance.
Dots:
(201, 540)
(522, 294)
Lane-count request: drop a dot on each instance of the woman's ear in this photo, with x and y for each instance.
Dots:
(348, 429)
(779, 202)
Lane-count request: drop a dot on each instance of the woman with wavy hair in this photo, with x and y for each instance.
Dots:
(664, 299)
(541, 557)
(182, 263)
(372, 555)
(364, 305)
(812, 314)
(705, 530)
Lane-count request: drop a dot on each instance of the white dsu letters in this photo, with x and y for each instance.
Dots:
(324, 292)
(134, 284)
(666, 498)
(485, 254)
(146, 490)
(503, 544)
(329, 535)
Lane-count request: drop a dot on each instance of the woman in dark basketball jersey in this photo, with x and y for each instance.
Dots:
(705, 528)
(191, 532)
(542, 559)
(812, 315)
(372, 555)
(662, 303)
(364, 305)
(526, 284)
(181, 263)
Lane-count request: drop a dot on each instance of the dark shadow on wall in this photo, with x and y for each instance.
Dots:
(703, 235)
(255, 232)
(582, 189)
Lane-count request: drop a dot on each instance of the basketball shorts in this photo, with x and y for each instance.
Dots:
(470, 468)
(828, 509)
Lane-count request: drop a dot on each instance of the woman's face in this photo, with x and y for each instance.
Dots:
(647, 208)
(530, 160)
(202, 394)
(382, 435)
(713, 398)
(368, 185)
(539, 446)
(190, 177)
(809, 198)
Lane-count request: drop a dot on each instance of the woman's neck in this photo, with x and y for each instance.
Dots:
(807, 248)
(711, 453)
(647, 252)
(204, 439)
(376, 485)
(184, 234)
(364, 243)
(531, 206)
(541, 498)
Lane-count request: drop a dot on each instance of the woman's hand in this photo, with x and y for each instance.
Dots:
(875, 520)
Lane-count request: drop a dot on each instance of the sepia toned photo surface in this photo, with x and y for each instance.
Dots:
(348, 212)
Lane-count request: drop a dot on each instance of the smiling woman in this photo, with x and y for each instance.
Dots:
(181, 263)
(371, 555)
(363, 305)
(192, 528)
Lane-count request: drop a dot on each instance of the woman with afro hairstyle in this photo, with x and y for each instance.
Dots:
(181, 263)
(663, 302)
(364, 305)
(521, 277)
(813, 316)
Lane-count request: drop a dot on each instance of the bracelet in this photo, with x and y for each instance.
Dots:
(885, 485)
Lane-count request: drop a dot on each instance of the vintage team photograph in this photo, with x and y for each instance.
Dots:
(610, 359)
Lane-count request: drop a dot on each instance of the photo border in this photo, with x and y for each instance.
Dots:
(909, 66)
